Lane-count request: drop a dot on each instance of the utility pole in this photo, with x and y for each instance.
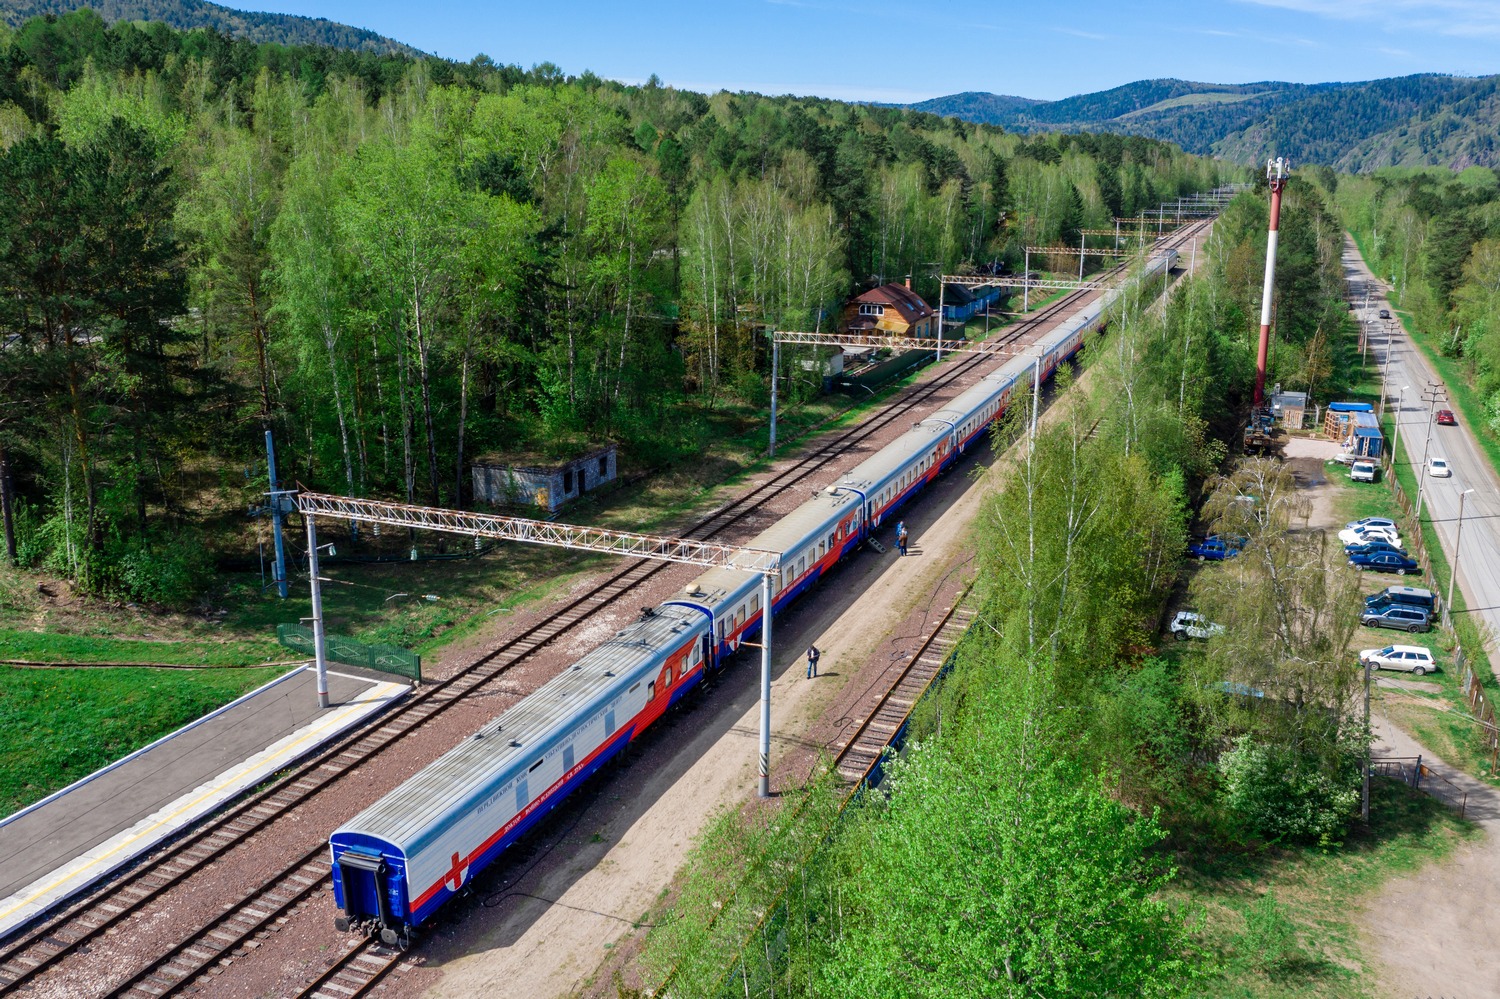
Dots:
(1457, 553)
(1276, 177)
(766, 615)
(1439, 393)
(775, 367)
(276, 513)
(1364, 795)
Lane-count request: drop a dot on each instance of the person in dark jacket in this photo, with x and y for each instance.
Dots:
(812, 661)
(901, 536)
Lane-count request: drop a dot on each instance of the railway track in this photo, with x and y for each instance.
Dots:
(368, 962)
(860, 753)
(32, 953)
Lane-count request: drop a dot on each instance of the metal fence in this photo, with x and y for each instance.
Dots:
(1412, 771)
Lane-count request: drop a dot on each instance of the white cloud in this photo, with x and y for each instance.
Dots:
(1257, 37)
(1082, 34)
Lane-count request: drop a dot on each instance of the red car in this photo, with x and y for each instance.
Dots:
(1445, 418)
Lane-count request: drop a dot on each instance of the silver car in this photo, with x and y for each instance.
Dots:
(1413, 658)
(1190, 624)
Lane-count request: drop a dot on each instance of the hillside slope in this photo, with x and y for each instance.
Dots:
(285, 29)
(1421, 120)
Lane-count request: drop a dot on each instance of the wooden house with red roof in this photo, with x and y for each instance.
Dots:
(891, 308)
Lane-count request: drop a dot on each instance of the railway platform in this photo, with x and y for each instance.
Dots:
(69, 840)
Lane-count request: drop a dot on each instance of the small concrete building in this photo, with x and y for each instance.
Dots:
(547, 485)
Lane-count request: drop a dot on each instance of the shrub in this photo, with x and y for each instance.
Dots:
(1284, 798)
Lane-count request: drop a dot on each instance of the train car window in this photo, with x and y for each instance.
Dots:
(651, 691)
(721, 629)
(536, 764)
(754, 604)
(609, 722)
(634, 688)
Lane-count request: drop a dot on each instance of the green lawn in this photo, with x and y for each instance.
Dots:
(63, 724)
(1306, 941)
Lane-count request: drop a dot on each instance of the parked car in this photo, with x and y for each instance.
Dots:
(1213, 550)
(1191, 624)
(1412, 658)
(1385, 562)
(1402, 617)
(1363, 535)
(1373, 522)
(1372, 548)
(1438, 468)
(1346, 457)
(1363, 471)
(1416, 596)
(1384, 313)
(1445, 418)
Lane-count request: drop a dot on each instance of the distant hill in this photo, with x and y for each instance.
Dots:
(285, 29)
(1421, 120)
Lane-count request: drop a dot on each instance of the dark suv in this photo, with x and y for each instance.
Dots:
(1402, 617)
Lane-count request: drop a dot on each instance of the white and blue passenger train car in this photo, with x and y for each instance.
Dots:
(396, 862)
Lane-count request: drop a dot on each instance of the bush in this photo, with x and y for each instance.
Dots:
(1282, 798)
(159, 567)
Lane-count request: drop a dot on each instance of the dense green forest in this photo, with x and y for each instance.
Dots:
(255, 26)
(1028, 840)
(1435, 235)
(396, 264)
(1425, 119)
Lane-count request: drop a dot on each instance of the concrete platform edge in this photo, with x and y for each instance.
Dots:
(80, 782)
(47, 892)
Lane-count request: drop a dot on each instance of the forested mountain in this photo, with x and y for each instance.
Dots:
(283, 29)
(1408, 121)
(396, 264)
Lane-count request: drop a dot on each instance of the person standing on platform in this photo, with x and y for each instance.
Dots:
(901, 536)
(812, 661)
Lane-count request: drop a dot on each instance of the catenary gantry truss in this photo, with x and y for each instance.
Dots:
(540, 532)
(895, 342)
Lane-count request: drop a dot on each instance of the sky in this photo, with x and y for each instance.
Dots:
(872, 50)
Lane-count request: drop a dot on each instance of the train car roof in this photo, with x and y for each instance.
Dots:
(808, 521)
(485, 760)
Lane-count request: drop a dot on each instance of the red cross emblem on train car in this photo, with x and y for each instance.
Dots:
(456, 873)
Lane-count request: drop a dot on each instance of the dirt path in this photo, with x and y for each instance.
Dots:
(1429, 933)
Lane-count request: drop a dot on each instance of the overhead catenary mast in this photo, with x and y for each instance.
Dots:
(1276, 171)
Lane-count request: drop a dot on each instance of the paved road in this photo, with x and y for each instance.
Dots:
(1408, 374)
